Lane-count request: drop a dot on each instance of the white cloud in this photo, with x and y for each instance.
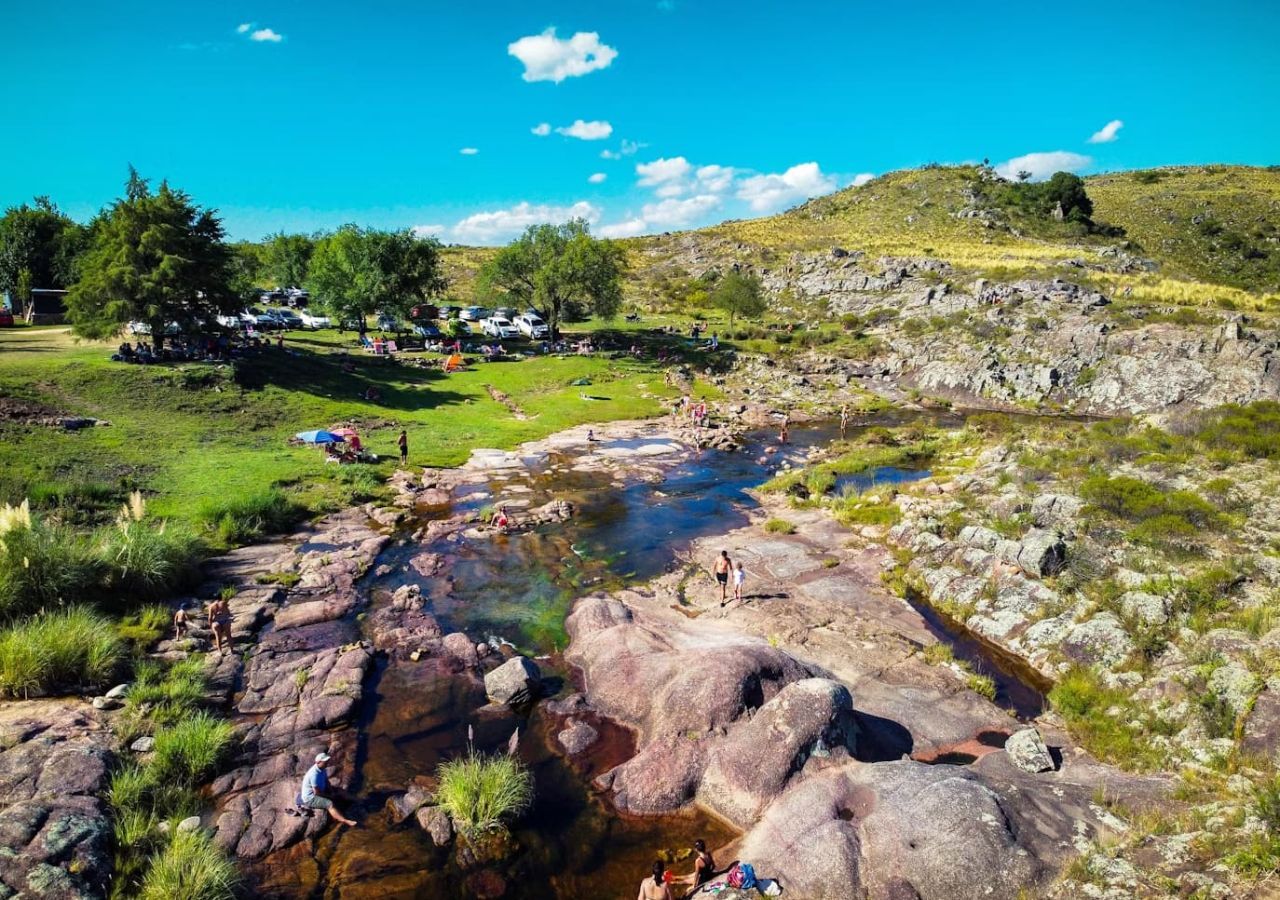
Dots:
(1042, 165)
(586, 131)
(715, 179)
(626, 148)
(549, 58)
(429, 230)
(626, 228)
(597, 178)
(469, 151)
(501, 225)
(542, 129)
(244, 27)
(664, 215)
(663, 171)
(267, 35)
(768, 193)
(1107, 133)
(862, 178)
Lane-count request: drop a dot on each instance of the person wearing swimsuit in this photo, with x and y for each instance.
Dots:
(220, 625)
(723, 565)
(704, 866)
(655, 886)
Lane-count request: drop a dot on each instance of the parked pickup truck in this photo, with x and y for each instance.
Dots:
(496, 326)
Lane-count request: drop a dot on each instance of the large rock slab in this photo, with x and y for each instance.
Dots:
(55, 835)
(518, 676)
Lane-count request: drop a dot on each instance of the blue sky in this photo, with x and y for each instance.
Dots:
(302, 116)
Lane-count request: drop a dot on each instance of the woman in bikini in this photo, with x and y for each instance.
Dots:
(220, 625)
(704, 867)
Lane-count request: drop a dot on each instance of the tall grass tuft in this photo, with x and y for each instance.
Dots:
(42, 566)
(58, 650)
(479, 791)
(189, 867)
(247, 519)
(191, 749)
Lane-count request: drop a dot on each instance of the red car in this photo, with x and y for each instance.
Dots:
(6, 318)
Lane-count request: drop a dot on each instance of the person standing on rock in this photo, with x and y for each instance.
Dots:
(655, 887)
(722, 569)
(739, 576)
(315, 784)
(180, 623)
(220, 624)
(403, 443)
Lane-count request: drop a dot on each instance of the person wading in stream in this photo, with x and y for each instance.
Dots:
(315, 784)
(722, 569)
(844, 420)
(655, 887)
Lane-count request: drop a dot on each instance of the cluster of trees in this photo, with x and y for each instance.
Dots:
(155, 256)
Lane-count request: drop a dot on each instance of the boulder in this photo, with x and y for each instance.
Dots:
(144, 744)
(190, 823)
(1101, 639)
(576, 737)
(461, 648)
(1262, 727)
(1027, 750)
(753, 764)
(1150, 609)
(1053, 510)
(402, 806)
(1041, 553)
(117, 692)
(518, 676)
(436, 823)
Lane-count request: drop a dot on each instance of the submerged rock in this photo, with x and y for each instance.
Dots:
(436, 823)
(576, 737)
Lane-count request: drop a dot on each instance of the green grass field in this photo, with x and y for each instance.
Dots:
(194, 434)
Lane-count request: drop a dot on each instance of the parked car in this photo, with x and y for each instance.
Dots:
(288, 318)
(505, 312)
(474, 314)
(351, 324)
(499, 327)
(457, 328)
(450, 312)
(6, 318)
(426, 330)
(423, 312)
(532, 327)
(314, 320)
(297, 298)
(388, 322)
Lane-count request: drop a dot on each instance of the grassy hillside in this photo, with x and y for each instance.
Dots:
(1210, 229)
(1219, 224)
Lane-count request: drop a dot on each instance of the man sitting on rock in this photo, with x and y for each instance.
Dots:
(315, 784)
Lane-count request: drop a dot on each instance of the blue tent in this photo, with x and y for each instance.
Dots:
(319, 437)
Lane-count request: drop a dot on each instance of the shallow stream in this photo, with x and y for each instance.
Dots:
(519, 589)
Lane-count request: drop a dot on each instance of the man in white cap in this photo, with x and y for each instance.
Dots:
(315, 784)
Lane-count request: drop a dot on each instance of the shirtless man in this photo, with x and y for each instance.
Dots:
(722, 569)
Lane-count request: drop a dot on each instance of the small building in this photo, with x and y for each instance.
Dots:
(47, 306)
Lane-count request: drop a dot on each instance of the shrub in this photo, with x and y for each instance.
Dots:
(145, 562)
(981, 684)
(58, 650)
(247, 519)
(1252, 430)
(1208, 589)
(191, 749)
(478, 791)
(1085, 703)
(779, 526)
(171, 694)
(42, 565)
(190, 867)
(1138, 500)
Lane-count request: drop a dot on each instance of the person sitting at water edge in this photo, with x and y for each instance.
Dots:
(704, 867)
(315, 784)
(655, 886)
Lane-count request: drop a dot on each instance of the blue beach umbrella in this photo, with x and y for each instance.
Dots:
(319, 437)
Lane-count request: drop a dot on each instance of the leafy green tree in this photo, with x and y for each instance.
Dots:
(248, 266)
(155, 258)
(43, 242)
(287, 258)
(559, 270)
(355, 271)
(739, 295)
(1068, 190)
